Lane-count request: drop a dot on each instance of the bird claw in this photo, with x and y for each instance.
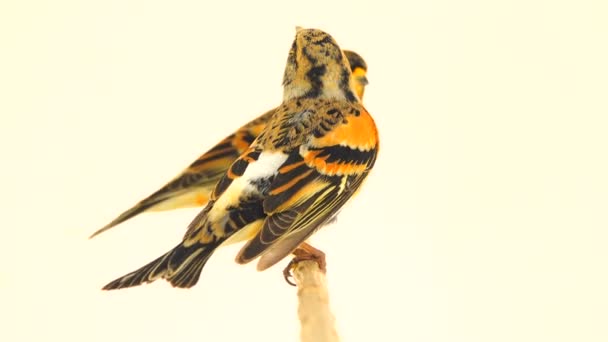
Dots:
(302, 253)
(287, 271)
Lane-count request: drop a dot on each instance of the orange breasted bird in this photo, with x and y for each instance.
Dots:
(311, 157)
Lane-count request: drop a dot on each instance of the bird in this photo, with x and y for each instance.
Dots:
(307, 162)
(192, 187)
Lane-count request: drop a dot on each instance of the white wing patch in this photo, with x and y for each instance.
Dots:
(268, 164)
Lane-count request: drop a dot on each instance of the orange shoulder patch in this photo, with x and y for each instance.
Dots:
(358, 133)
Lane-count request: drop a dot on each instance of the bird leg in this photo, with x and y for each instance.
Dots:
(302, 253)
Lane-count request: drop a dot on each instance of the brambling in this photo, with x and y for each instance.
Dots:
(192, 187)
(309, 160)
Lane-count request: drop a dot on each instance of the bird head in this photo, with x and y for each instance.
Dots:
(317, 67)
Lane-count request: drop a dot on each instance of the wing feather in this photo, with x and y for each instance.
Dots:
(192, 187)
(308, 191)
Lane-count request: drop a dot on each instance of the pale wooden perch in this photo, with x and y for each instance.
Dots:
(313, 304)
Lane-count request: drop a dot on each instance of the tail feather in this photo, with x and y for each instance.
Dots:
(181, 267)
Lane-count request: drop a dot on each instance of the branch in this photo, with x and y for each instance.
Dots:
(315, 317)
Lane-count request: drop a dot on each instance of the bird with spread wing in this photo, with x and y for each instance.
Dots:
(310, 159)
(193, 186)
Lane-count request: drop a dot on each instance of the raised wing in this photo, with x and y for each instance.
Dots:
(193, 186)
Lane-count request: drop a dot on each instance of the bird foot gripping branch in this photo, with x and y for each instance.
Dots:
(302, 253)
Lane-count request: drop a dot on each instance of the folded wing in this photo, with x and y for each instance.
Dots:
(309, 189)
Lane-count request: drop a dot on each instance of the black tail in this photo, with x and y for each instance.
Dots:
(181, 267)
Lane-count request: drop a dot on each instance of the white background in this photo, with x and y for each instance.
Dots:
(485, 218)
